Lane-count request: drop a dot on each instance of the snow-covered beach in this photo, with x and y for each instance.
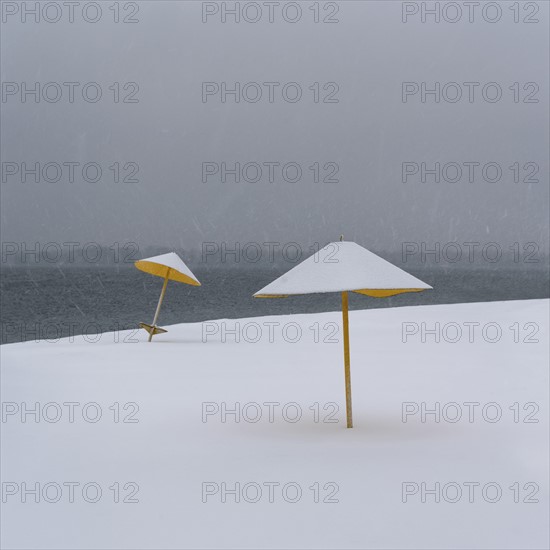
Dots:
(219, 443)
(274, 275)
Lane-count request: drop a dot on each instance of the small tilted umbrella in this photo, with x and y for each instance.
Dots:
(171, 267)
(344, 267)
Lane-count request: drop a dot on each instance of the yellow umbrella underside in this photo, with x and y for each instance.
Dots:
(165, 271)
(374, 292)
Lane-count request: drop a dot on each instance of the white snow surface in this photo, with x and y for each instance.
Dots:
(170, 452)
(341, 266)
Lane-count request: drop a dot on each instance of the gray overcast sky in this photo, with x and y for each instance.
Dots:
(368, 133)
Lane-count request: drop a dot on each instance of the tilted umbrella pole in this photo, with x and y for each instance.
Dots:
(162, 292)
(345, 323)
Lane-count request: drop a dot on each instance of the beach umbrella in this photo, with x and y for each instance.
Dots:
(344, 267)
(171, 267)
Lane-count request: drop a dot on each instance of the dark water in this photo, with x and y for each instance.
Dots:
(50, 302)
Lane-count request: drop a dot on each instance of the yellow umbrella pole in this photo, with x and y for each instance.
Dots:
(162, 292)
(345, 322)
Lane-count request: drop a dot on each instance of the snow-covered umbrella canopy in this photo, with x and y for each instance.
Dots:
(171, 267)
(344, 267)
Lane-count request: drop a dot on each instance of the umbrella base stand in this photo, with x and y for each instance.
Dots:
(152, 329)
